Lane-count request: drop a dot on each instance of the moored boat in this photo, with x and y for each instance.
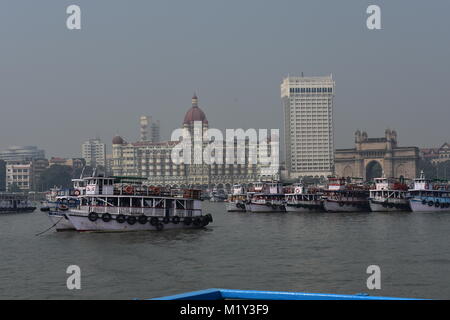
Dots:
(301, 199)
(389, 195)
(345, 197)
(110, 205)
(15, 203)
(236, 200)
(428, 197)
(267, 197)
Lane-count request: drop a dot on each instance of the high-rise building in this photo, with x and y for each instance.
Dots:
(308, 125)
(93, 152)
(149, 129)
(21, 154)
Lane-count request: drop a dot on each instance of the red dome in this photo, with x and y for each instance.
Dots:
(117, 140)
(195, 114)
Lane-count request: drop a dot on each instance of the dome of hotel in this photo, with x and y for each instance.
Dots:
(117, 140)
(195, 113)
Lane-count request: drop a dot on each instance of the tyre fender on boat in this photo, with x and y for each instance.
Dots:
(154, 221)
(131, 220)
(176, 220)
(188, 221)
(166, 220)
(106, 217)
(120, 218)
(142, 219)
(93, 216)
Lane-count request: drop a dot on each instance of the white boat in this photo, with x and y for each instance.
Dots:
(300, 199)
(345, 197)
(107, 206)
(266, 197)
(15, 203)
(428, 197)
(389, 196)
(236, 200)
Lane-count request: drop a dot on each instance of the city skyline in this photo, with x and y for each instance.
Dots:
(61, 88)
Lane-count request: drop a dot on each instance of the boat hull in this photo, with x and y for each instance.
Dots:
(254, 207)
(334, 206)
(235, 207)
(418, 206)
(61, 221)
(81, 222)
(304, 207)
(390, 206)
(18, 210)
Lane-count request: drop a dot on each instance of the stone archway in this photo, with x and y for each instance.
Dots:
(373, 170)
(348, 171)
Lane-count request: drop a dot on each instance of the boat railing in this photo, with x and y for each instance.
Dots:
(151, 212)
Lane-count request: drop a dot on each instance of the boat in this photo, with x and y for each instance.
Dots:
(15, 203)
(236, 295)
(389, 195)
(299, 198)
(266, 197)
(342, 196)
(426, 196)
(236, 200)
(111, 204)
(218, 195)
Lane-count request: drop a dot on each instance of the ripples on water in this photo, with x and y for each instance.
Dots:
(325, 252)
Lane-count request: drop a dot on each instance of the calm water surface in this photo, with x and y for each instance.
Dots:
(325, 252)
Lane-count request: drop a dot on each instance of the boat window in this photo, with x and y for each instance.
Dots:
(148, 203)
(124, 202)
(136, 202)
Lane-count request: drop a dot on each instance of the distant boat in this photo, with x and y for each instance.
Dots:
(15, 203)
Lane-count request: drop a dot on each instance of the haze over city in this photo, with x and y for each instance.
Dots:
(60, 88)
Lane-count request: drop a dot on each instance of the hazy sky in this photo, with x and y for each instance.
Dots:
(60, 87)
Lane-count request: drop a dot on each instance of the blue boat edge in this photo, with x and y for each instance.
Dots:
(225, 294)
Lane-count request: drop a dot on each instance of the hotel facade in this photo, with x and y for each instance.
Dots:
(153, 161)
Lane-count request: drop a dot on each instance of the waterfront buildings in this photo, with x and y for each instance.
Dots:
(437, 155)
(308, 125)
(93, 152)
(21, 154)
(375, 157)
(153, 160)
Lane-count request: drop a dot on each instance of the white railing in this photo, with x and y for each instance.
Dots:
(150, 212)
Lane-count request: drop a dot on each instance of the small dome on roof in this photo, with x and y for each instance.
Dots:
(195, 113)
(117, 140)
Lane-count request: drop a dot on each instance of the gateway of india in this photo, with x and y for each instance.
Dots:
(375, 157)
(152, 160)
